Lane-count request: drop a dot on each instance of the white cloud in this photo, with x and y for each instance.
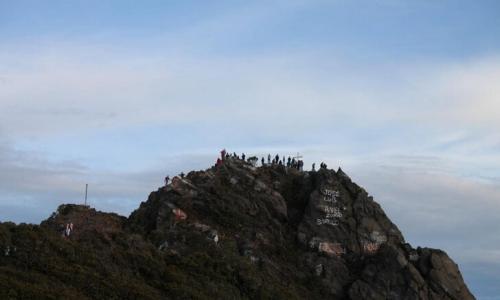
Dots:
(63, 91)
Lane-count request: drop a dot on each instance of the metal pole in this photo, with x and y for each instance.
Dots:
(86, 189)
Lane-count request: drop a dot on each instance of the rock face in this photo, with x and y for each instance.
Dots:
(231, 232)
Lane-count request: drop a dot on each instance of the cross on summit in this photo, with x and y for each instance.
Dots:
(298, 156)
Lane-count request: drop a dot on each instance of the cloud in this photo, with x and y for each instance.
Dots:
(62, 90)
(456, 94)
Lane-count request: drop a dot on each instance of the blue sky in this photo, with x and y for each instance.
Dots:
(404, 95)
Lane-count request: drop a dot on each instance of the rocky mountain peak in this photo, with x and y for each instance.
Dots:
(338, 232)
(239, 231)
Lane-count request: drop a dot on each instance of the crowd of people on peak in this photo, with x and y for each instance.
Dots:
(277, 160)
(289, 162)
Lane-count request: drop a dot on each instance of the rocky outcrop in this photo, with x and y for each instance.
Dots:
(235, 231)
(85, 221)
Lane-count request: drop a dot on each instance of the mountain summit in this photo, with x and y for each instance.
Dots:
(234, 231)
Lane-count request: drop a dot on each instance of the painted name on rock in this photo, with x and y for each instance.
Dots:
(370, 247)
(179, 214)
(327, 222)
(376, 239)
(332, 213)
(329, 248)
(330, 195)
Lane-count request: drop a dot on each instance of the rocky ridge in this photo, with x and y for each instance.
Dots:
(234, 231)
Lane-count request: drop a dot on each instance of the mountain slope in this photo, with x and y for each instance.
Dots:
(233, 232)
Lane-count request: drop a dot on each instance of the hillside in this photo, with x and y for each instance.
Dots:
(234, 231)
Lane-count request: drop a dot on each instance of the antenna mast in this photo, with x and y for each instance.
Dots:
(86, 189)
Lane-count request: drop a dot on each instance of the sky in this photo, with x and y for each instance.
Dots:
(403, 95)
